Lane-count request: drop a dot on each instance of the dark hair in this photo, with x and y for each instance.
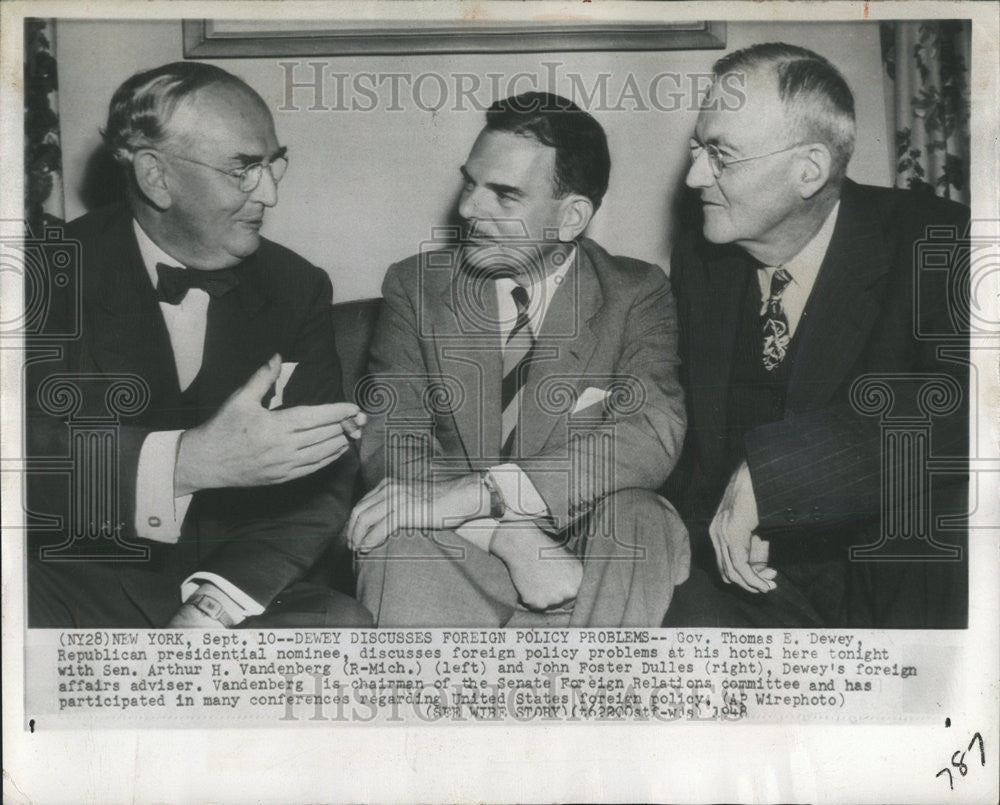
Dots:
(817, 101)
(141, 108)
(583, 163)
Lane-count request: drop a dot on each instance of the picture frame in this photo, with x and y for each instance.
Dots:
(216, 38)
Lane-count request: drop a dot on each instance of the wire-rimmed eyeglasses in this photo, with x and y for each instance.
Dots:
(248, 177)
(718, 163)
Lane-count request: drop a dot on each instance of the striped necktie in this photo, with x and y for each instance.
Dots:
(774, 322)
(516, 358)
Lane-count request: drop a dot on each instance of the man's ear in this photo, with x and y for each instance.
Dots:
(813, 169)
(150, 177)
(575, 213)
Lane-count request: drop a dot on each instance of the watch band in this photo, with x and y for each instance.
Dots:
(497, 506)
(210, 606)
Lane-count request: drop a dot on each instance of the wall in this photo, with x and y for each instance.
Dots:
(365, 188)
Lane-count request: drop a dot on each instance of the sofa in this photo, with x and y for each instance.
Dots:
(354, 326)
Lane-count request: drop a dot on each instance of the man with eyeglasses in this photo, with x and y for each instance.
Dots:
(234, 468)
(795, 283)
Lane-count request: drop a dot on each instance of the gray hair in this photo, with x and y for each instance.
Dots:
(816, 99)
(141, 108)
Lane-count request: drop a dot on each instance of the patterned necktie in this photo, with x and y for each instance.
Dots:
(174, 282)
(775, 323)
(516, 358)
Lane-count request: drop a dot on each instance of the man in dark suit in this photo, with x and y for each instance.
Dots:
(233, 469)
(532, 403)
(796, 286)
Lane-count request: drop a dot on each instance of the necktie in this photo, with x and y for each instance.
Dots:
(775, 323)
(516, 360)
(174, 282)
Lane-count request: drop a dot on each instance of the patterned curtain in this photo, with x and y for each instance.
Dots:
(43, 187)
(927, 73)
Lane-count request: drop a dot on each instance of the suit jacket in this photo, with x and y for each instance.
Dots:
(611, 326)
(259, 539)
(819, 468)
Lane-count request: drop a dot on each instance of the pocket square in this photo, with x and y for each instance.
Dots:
(591, 396)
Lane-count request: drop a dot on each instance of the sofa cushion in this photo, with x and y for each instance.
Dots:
(353, 327)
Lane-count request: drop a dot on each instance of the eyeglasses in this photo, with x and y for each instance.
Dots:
(718, 163)
(248, 177)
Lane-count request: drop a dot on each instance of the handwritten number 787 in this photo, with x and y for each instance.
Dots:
(960, 765)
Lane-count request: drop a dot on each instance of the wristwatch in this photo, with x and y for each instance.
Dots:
(497, 507)
(208, 605)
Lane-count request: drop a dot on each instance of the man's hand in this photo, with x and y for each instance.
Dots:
(546, 577)
(432, 507)
(740, 555)
(244, 444)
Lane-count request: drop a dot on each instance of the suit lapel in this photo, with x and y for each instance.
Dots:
(128, 332)
(465, 338)
(564, 346)
(714, 317)
(842, 307)
(237, 340)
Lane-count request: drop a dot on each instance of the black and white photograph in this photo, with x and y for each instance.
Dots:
(500, 401)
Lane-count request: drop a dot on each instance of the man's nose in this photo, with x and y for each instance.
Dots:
(470, 205)
(700, 174)
(465, 206)
(266, 191)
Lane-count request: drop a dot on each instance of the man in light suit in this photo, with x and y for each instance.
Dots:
(233, 471)
(796, 285)
(524, 403)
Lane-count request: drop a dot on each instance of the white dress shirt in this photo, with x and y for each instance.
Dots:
(803, 268)
(521, 499)
(159, 514)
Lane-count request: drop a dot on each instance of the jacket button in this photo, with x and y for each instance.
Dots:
(154, 522)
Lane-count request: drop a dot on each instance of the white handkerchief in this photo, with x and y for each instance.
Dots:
(590, 396)
(279, 385)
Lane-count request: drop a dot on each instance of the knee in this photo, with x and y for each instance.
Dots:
(639, 508)
(641, 525)
(351, 614)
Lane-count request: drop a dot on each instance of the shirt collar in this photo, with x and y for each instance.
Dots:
(151, 253)
(804, 266)
(551, 281)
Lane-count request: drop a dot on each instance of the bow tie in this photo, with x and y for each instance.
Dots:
(175, 282)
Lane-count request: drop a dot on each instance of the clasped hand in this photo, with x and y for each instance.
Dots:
(740, 554)
(245, 445)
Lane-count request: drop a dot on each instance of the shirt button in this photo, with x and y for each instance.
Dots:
(154, 522)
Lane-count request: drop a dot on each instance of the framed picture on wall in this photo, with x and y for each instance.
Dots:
(221, 38)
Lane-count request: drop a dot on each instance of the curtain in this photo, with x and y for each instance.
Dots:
(43, 186)
(927, 90)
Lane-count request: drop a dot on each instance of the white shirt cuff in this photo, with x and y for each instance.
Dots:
(158, 514)
(519, 495)
(246, 606)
